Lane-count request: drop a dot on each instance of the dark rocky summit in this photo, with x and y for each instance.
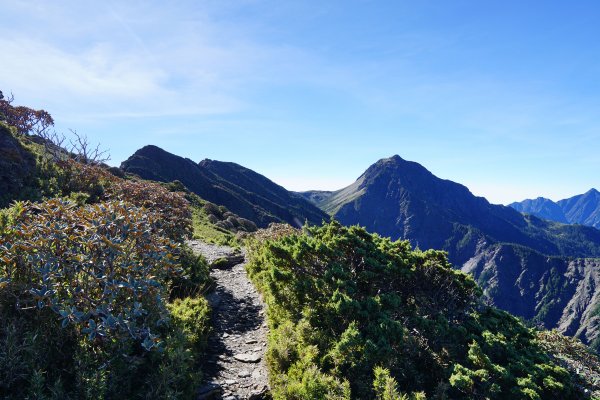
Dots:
(403, 200)
(243, 191)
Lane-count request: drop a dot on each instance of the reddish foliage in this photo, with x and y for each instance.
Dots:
(176, 217)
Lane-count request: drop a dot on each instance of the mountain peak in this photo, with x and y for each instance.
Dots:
(150, 149)
(395, 158)
(581, 209)
(396, 164)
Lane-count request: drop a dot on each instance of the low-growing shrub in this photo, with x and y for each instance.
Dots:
(192, 316)
(354, 315)
(194, 277)
(86, 278)
(101, 185)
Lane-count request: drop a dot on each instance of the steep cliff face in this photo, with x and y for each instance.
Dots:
(243, 191)
(554, 291)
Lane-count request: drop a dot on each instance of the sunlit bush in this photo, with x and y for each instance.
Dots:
(355, 315)
(99, 267)
(101, 185)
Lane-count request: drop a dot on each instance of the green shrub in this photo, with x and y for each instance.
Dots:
(100, 185)
(386, 387)
(192, 316)
(85, 277)
(343, 304)
(193, 279)
(83, 293)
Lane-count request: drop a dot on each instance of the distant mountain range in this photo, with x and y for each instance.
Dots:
(582, 209)
(243, 191)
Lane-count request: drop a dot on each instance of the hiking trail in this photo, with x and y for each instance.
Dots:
(235, 367)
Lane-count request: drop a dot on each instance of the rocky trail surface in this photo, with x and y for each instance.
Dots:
(235, 366)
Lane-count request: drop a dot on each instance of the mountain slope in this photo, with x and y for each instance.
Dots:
(554, 291)
(403, 200)
(582, 209)
(316, 197)
(17, 168)
(241, 190)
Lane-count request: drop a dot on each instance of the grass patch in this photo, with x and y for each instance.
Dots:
(217, 225)
(207, 232)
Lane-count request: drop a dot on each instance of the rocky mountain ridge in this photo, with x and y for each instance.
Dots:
(243, 191)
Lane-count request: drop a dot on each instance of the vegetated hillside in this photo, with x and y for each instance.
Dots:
(357, 316)
(403, 200)
(23, 174)
(243, 191)
(99, 296)
(582, 209)
(17, 167)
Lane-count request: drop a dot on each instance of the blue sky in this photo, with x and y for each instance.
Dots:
(502, 96)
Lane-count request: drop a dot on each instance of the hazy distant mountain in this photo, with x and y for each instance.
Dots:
(316, 196)
(541, 207)
(503, 248)
(582, 209)
(243, 191)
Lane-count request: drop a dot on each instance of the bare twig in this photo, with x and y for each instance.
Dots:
(84, 152)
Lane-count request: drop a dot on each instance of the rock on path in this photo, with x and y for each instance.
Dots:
(235, 366)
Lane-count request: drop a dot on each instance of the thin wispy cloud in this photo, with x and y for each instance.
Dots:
(268, 84)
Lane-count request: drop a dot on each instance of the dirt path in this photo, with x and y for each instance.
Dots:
(235, 367)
